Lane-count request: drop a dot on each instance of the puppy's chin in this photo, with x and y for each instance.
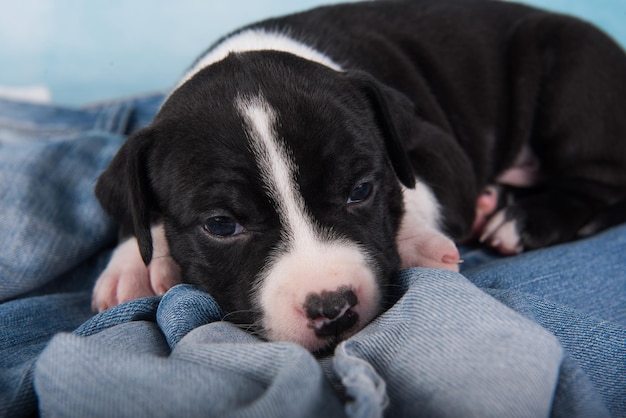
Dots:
(318, 296)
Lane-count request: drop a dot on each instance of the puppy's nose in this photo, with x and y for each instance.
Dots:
(330, 312)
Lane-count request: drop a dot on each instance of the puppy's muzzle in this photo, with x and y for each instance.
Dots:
(331, 312)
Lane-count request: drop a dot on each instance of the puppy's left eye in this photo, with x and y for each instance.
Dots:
(360, 193)
(223, 227)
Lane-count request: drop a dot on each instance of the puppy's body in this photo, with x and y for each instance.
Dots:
(303, 160)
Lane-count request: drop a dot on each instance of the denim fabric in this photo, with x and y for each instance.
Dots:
(587, 276)
(26, 327)
(49, 223)
(448, 349)
(214, 370)
(540, 334)
(52, 232)
(21, 122)
(513, 363)
(48, 203)
(578, 292)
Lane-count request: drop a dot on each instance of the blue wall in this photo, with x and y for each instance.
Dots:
(95, 50)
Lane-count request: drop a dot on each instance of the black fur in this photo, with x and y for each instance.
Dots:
(196, 160)
(449, 90)
(486, 77)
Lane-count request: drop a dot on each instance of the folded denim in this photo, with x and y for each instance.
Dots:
(444, 349)
(50, 158)
(538, 334)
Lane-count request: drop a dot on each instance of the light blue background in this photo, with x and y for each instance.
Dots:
(94, 50)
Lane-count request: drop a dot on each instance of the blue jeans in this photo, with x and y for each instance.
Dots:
(540, 334)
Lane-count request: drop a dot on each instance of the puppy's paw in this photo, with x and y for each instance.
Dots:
(164, 274)
(502, 234)
(427, 247)
(126, 277)
(419, 241)
(537, 218)
(486, 205)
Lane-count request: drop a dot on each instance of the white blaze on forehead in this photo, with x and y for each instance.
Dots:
(276, 166)
(308, 260)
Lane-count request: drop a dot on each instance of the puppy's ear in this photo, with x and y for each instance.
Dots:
(124, 190)
(395, 116)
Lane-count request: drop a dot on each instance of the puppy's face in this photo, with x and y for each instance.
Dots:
(275, 181)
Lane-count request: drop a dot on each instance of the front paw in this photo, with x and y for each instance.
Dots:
(126, 277)
(426, 247)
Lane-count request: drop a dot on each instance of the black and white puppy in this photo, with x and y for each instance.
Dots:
(303, 160)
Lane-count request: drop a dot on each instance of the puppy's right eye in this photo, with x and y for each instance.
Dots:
(360, 193)
(223, 227)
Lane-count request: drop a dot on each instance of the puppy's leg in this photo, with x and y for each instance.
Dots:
(420, 243)
(538, 218)
(424, 246)
(568, 97)
(126, 277)
(486, 205)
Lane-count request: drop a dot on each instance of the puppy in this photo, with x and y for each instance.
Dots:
(303, 160)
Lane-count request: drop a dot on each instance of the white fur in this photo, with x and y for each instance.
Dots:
(421, 202)
(308, 260)
(420, 241)
(502, 234)
(258, 40)
(313, 267)
(126, 277)
(277, 168)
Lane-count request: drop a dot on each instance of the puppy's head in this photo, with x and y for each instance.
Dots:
(277, 181)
